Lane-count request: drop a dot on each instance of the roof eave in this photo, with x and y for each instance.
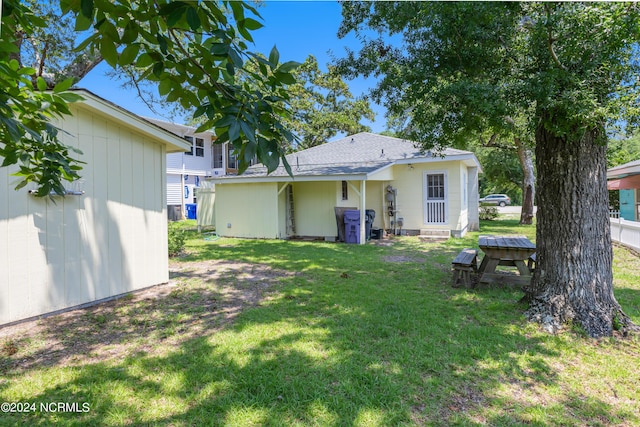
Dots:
(95, 103)
(285, 178)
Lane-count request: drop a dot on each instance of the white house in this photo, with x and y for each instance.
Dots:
(107, 239)
(410, 191)
(185, 170)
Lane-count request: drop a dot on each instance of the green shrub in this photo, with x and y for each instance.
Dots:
(488, 212)
(176, 239)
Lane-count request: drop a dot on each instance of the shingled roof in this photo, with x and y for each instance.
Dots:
(362, 153)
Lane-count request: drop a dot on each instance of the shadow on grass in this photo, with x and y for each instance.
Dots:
(352, 340)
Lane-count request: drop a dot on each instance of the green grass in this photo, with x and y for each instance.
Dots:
(345, 335)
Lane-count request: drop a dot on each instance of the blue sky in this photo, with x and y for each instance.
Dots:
(297, 28)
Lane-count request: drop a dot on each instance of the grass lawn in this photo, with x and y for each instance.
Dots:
(280, 333)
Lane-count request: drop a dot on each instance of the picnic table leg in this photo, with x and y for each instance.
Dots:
(522, 268)
(489, 267)
(483, 264)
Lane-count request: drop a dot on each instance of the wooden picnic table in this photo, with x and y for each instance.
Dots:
(511, 251)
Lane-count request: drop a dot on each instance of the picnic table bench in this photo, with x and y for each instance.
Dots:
(463, 265)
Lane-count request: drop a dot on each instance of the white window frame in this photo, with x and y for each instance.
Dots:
(217, 156)
(428, 204)
(197, 146)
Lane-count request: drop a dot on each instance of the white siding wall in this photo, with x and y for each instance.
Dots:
(174, 189)
(80, 249)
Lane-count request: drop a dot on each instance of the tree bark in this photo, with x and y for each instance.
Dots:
(573, 280)
(528, 181)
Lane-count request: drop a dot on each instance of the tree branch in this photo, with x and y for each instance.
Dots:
(550, 40)
(494, 143)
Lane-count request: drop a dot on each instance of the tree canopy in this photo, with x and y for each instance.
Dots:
(176, 44)
(322, 106)
(567, 69)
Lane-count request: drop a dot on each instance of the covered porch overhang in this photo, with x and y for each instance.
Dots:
(630, 182)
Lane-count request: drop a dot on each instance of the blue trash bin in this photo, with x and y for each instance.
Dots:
(352, 226)
(191, 210)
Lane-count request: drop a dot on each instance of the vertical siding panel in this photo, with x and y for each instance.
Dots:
(101, 220)
(20, 304)
(127, 238)
(148, 194)
(48, 285)
(137, 216)
(74, 215)
(4, 245)
(160, 262)
(114, 210)
(79, 289)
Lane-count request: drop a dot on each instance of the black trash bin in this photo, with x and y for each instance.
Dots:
(369, 216)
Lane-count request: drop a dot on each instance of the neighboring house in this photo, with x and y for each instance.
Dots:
(410, 192)
(626, 178)
(107, 239)
(185, 170)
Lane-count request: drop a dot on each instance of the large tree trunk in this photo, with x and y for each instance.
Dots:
(528, 182)
(573, 279)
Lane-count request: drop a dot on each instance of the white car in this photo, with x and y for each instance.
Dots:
(496, 199)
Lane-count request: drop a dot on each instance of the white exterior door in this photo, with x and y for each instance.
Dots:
(435, 198)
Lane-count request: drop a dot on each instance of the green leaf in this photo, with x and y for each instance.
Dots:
(144, 60)
(248, 131)
(21, 184)
(220, 49)
(252, 24)
(285, 78)
(41, 83)
(130, 33)
(288, 66)
(238, 10)
(236, 58)
(82, 23)
(224, 122)
(274, 57)
(109, 52)
(162, 42)
(71, 97)
(158, 68)
(193, 19)
(243, 31)
(129, 54)
(165, 86)
(63, 85)
(86, 8)
(234, 131)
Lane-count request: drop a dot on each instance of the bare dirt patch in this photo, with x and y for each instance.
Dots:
(199, 299)
(403, 258)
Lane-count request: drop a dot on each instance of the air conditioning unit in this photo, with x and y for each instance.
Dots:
(216, 172)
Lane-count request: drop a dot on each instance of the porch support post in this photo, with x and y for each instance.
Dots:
(473, 204)
(363, 188)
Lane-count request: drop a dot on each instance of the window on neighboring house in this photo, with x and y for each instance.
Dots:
(232, 160)
(218, 155)
(345, 190)
(197, 145)
(190, 139)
